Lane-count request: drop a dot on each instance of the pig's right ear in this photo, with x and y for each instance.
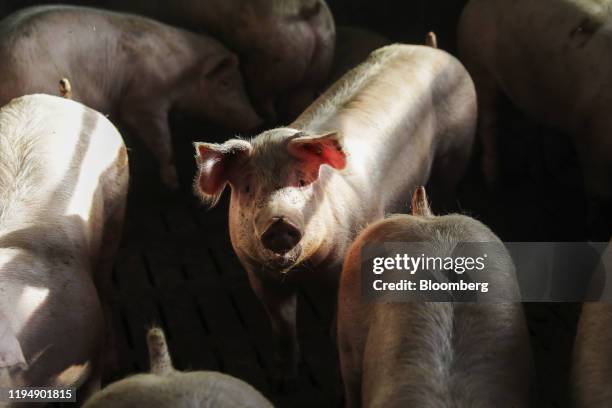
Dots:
(217, 165)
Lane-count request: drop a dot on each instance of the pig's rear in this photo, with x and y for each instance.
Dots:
(456, 355)
(426, 354)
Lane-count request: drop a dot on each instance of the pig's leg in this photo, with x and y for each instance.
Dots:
(488, 101)
(153, 129)
(280, 302)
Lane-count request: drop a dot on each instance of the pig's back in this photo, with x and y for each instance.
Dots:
(552, 59)
(179, 390)
(404, 101)
(386, 88)
(40, 45)
(431, 354)
(54, 154)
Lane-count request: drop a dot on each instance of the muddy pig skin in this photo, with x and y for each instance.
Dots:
(63, 185)
(427, 354)
(164, 387)
(300, 194)
(552, 59)
(132, 68)
(592, 368)
(286, 47)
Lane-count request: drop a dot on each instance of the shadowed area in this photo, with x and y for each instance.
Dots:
(176, 266)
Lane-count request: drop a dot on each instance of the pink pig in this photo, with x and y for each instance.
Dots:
(300, 194)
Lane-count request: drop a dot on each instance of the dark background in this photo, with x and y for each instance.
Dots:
(176, 267)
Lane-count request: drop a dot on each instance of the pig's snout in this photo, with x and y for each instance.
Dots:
(281, 236)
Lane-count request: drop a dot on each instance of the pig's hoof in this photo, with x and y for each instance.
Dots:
(170, 178)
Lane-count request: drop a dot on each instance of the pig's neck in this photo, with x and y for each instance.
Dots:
(343, 203)
(161, 74)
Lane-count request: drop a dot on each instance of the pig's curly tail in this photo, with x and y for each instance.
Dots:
(159, 357)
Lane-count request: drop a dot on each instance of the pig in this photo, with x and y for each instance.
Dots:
(353, 46)
(164, 387)
(550, 59)
(300, 194)
(428, 354)
(132, 68)
(592, 360)
(63, 186)
(286, 47)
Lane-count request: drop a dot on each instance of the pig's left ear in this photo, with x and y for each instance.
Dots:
(217, 166)
(318, 150)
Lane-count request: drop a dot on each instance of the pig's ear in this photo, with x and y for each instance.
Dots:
(217, 165)
(318, 150)
(220, 69)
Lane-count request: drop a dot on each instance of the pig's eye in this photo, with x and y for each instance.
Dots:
(302, 183)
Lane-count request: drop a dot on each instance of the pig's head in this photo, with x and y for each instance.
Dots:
(279, 213)
(286, 49)
(215, 91)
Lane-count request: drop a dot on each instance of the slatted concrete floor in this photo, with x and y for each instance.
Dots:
(176, 269)
(184, 277)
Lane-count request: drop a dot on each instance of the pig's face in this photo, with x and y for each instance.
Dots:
(278, 192)
(217, 94)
